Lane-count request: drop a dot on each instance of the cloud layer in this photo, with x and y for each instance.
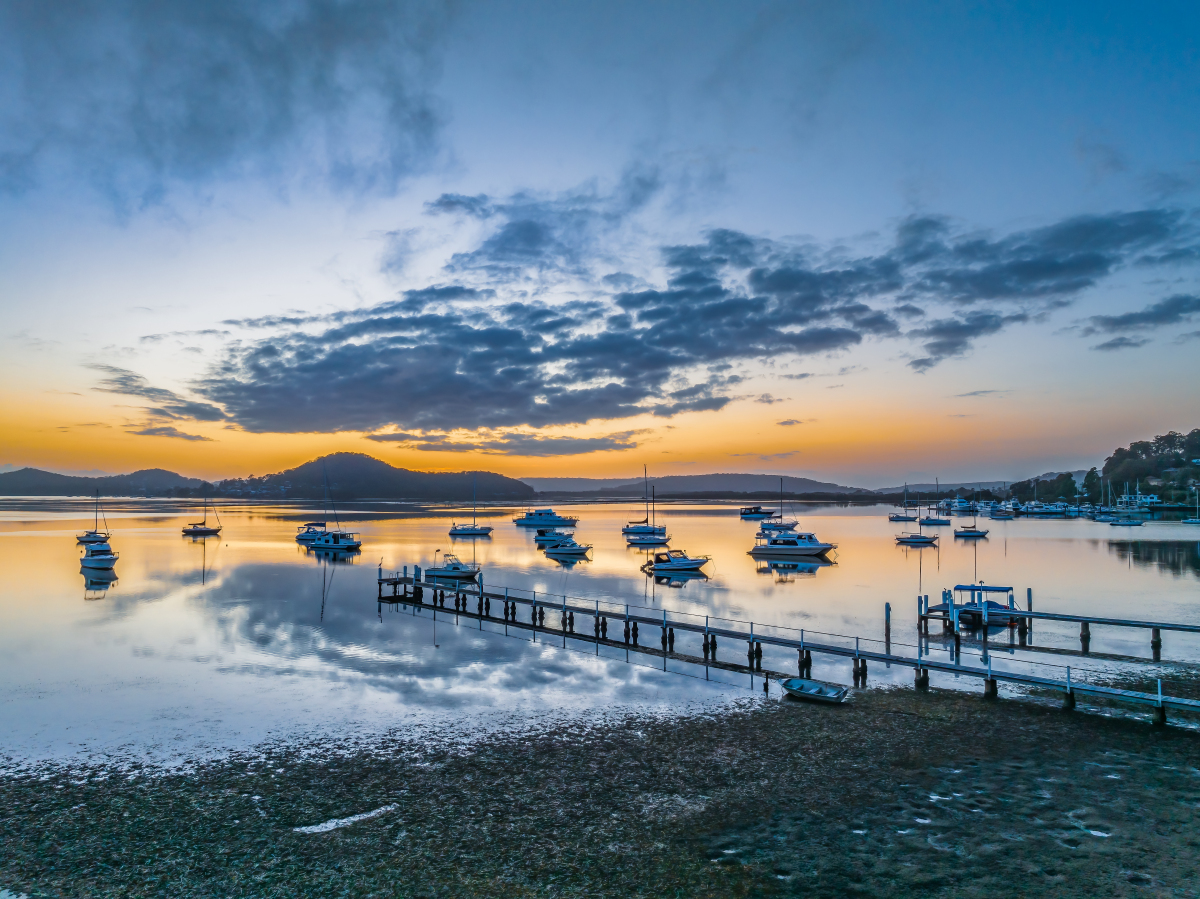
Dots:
(136, 97)
(537, 327)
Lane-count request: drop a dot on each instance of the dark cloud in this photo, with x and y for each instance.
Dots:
(1171, 311)
(138, 97)
(166, 431)
(767, 399)
(982, 393)
(787, 423)
(513, 444)
(953, 336)
(169, 403)
(1121, 343)
(487, 352)
(1189, 335)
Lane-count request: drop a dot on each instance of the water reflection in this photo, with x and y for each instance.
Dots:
(1178, 557)
(251, 634)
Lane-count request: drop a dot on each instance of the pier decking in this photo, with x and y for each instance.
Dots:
(474, 603)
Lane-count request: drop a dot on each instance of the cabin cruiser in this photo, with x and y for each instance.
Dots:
(916, 539)
(756, 513)
(801, 543)
(567, 547)
(931, 521)
(778, 524)
(1126, 523)
(98, 555)
(452, 568)
(547, 536)
(308, 532)
(338, 541)
(902, 516)
(537, 518)
(675, 560)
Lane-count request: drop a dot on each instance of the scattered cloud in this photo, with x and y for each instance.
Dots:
(983, 393)
(513, 444)
(537, 326)
(1188, 335)
(789, 422)
(1171, 311)
(1121, 343)
(170, 404)
(166, 431)
(767, 399)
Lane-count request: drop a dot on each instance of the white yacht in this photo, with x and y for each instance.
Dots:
(547, 536)
(675, 560)
(541, 518)
(659, 539)
(452, 568)
(341, 541)
(801, 543)
(567, 547)
(98, 555)
(308, 533)
(644, 526)
(95, 535)
(474, 529)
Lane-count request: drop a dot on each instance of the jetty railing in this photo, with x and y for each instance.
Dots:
(545, 613)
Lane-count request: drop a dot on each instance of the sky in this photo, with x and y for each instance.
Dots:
(863, 242)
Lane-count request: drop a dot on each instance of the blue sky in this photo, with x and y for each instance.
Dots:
(567, 238)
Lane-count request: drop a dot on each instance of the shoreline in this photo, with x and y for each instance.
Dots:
(900, 793)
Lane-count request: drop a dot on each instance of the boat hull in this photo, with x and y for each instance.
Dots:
(201, 532)
(99, 563)
(691, 565)
(451, 574)
(470, 532)
(815, 691)
(91, 537)
(788, 552)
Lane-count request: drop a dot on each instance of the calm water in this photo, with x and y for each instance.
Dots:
(206, 645)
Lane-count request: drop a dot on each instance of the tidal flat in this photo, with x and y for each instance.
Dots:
(899, 793)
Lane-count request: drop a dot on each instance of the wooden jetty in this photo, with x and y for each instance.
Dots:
(556, 615)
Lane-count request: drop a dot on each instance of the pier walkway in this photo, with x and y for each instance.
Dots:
(556, 615)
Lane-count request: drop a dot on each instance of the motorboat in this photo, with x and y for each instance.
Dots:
(1001, 515)
(546, 536)
(98, 555)
(901, 516)
(788, 544)
(675, 560)
(338, 541)
(1126, 523)
(916, 539)
(567, 547)
(308, 532)
(96, 534)
(660, 539)
(644, 526)
(929, 521)
(474, 529)
(453, 569)
(970, 532)
(539, 518)
(756, 513)
(815, 690)
(203, 528)
(972, 613)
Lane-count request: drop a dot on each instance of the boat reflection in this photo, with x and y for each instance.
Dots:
(96, 582)
(786, 570)
(337, 556)
(677, 579)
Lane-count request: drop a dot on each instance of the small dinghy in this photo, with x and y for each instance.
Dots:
(815, 690)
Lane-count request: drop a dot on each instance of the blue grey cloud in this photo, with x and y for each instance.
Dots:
(168, 403)
(138, 97)
(1121, 343)
(166, 431)
(512, 444)
(484, 351)
(1171, 311)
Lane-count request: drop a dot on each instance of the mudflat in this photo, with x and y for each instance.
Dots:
(896, 794)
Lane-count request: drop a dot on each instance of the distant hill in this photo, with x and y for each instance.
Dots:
(695, 484)
(351, 476)
(148, 482)
(358, 476)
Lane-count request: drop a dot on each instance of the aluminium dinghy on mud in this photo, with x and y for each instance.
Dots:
(815, 690)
